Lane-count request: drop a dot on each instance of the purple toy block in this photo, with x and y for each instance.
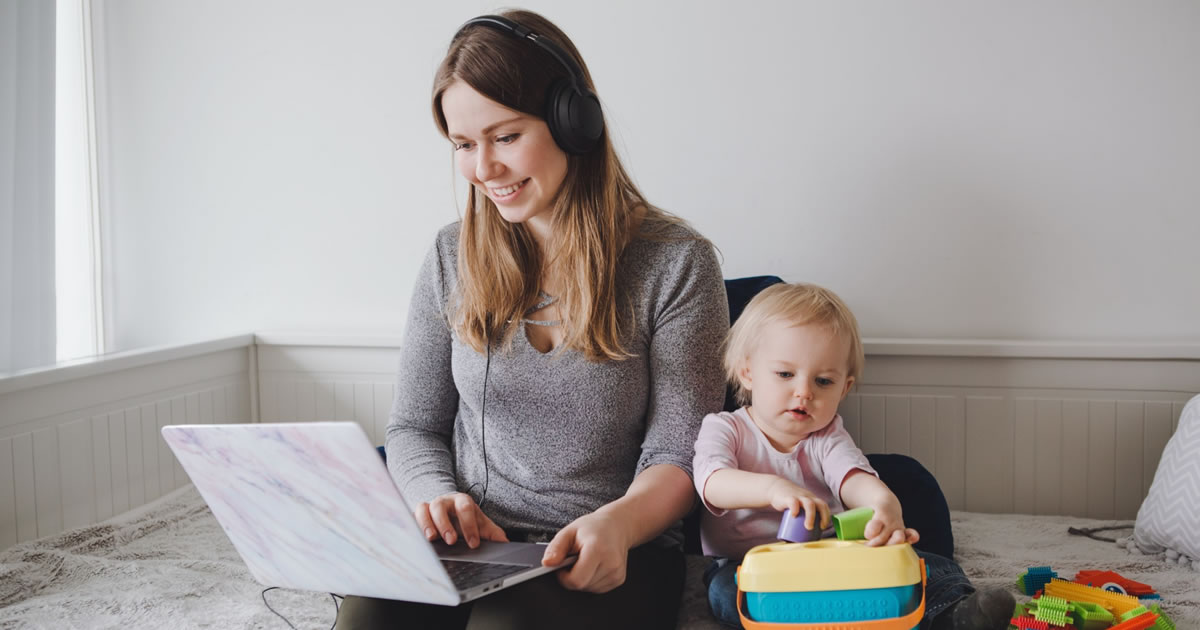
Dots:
(793, 529)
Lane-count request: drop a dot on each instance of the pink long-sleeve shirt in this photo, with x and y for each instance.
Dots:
(819, 463)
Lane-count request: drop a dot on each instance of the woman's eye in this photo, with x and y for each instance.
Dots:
(507, 139)
(459, 146)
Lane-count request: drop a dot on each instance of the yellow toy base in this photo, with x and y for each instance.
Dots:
(907, 622)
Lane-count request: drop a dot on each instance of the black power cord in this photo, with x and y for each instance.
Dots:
(337, 609)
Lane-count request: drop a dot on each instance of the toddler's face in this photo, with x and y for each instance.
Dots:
(796, 377)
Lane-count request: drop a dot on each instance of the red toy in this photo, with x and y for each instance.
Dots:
(1111, 581)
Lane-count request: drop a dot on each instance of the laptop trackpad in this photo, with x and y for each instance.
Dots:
(525, 554)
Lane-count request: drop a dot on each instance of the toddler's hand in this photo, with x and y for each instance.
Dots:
(785, 495)
(887, 528)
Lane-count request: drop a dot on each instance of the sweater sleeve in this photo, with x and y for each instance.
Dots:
(423, 412)
(685, 358)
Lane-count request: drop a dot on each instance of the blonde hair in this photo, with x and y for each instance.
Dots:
(595, 213)
(797, 305)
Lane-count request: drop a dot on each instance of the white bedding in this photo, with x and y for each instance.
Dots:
(169, 565)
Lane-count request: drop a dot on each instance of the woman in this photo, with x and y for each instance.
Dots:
(562, 345)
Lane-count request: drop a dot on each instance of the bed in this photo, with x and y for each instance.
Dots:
(168, 564)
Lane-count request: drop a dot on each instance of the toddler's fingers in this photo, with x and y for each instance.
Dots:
(826, 517)
(809, 510)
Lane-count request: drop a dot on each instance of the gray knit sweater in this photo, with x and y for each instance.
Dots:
(564, 436)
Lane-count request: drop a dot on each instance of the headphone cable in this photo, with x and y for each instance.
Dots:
(487, 368)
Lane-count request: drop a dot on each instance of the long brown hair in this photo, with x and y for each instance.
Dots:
(595, 214)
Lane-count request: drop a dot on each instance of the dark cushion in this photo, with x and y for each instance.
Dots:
(739, 292)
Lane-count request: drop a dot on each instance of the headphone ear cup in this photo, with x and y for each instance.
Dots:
(574, 116)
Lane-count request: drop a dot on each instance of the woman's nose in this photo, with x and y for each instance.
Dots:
(487, 167)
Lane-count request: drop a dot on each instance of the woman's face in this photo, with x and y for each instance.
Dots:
(509, 156)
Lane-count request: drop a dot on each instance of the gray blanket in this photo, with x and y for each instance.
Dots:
(169, 565)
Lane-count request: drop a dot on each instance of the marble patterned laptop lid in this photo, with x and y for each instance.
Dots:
(311, 506)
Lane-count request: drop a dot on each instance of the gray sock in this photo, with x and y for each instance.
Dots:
(987, 609)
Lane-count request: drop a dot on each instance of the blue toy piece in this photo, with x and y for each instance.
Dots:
(1034, 579)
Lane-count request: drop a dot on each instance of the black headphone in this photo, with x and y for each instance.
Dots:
(572, 110)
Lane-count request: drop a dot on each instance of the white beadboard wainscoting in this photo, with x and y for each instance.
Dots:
(1071, 429)
(80, 443)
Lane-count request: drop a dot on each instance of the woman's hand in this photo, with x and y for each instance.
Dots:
(455, 514)
(602, 544)
(785, 495)
(887, 527)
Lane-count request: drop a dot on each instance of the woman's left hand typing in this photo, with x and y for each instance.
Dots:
(600, 541)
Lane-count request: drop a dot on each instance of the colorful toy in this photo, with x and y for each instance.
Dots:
(834, 583)
(852, 524)
(792, 529)
(1096, 600)
(1034, 578)
(1114, 582)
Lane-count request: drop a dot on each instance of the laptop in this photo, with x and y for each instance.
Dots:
(312, 506)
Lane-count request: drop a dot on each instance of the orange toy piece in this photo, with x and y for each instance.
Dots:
(1103, 579)
(1140, 622)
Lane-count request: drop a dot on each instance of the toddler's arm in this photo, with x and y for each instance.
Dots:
(887, 526)
(731, 489)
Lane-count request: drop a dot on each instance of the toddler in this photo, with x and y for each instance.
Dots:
(792, 357)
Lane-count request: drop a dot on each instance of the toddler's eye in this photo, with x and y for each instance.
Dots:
(784, 374)
(824, 382)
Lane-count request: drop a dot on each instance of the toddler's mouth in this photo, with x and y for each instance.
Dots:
(799, 411)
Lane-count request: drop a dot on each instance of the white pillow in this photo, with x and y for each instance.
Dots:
(1167, 521)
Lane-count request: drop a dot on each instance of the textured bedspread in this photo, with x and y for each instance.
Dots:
(169, 565)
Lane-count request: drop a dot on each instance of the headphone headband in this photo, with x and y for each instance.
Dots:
(572, 111)
(501, 23)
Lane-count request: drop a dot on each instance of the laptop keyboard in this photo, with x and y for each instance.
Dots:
(467, 575)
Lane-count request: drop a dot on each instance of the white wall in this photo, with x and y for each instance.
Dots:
(1021, 170)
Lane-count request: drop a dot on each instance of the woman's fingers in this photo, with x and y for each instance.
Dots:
(491, 531)
(439, 511)
(468, 523)
(456, 516)
(425, 522)
(562, 545)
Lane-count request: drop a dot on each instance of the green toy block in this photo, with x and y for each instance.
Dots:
(1163, 622)
(1052, 610)
(1090, 616)
(1135, 612)
(852, 524)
